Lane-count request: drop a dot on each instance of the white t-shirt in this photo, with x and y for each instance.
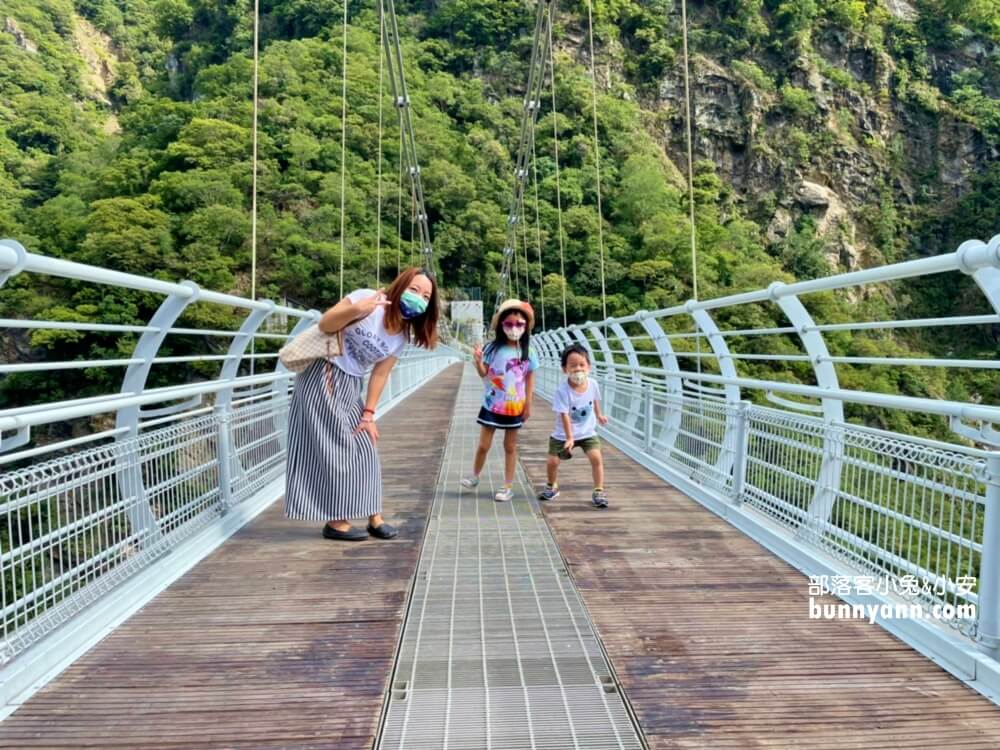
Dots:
(366, 341)
(579, 406)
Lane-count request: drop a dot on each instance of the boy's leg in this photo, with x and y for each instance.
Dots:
(510, 456)
(596, 467)
(483, 449)
(551, 469)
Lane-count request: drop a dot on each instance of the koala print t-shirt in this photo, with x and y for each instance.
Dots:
(366, 341)
(579, 406)
(505, 379)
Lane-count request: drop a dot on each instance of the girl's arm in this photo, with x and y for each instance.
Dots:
(597, 412)
(346, 311)
(529, 393)
(477, 360)
(376, 384)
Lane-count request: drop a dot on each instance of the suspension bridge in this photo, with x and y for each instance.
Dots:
(153, 595)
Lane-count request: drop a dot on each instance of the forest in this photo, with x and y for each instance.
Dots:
(125, 135)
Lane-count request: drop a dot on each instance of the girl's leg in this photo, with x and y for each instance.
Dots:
(510, 456)
(597, 468)
(485, 441)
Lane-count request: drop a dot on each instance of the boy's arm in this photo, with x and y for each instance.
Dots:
(568, 429)
(598, 413)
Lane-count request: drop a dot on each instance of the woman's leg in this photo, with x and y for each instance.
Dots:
(483, 449)
(510, 456)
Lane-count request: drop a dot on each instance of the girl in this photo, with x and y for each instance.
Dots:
(508, 367)
(333, 470)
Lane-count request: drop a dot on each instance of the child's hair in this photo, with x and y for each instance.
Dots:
(500, 338)
(574, 349)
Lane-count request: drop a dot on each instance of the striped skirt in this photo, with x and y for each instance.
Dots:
(332, 473)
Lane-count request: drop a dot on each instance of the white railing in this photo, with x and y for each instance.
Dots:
(923, 514)
(80, 515)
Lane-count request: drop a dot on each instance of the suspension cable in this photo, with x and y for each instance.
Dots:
(532, 101)
(524, 246)
(517, 270)
(401, 98)
(343, 146)
(555, 144)
(690, 150)
(597, 157)
(253, 189)
(690, 172)
(399, 208)
(381, 101)
(538, 231)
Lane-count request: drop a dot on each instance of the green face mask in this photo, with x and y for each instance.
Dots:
(412, 305)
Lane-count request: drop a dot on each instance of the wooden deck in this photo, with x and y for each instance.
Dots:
(279, 639)
(710, 636)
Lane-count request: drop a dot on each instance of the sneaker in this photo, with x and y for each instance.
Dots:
(470, 481)
(549, 493)
(599, 499)
(504, 495)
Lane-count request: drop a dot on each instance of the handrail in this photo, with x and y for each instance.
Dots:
(84, 513)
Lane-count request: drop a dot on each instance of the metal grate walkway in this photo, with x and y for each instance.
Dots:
(497, 649)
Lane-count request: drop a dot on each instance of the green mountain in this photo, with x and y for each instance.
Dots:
(827, 136)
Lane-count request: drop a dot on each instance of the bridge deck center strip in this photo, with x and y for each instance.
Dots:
(497, 650)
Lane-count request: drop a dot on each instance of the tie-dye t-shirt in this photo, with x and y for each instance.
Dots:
(505, 378)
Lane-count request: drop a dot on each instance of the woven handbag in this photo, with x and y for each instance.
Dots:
(310, 345)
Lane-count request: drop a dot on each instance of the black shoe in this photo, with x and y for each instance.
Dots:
(382, 531)
(351, 535)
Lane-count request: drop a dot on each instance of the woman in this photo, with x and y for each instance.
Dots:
(333, 467)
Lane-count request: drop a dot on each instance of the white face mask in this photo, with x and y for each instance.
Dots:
(514, 334)
(578, 378)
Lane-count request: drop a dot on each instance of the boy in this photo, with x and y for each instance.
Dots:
(577, 404)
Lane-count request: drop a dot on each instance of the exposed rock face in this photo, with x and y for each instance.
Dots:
(11, 27)
(95, 50)
(859, 140)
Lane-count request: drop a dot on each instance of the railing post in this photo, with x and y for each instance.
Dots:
(988, 631)
(143, 521)
(647, 416)
(223, 415)
(740, 451)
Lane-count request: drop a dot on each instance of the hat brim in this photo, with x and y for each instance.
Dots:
(514, 305)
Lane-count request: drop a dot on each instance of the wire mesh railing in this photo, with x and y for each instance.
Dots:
(917, 516)
(95, 487)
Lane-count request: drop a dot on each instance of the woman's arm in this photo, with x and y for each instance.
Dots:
(376, 384)
(377, 380)
(345, 311)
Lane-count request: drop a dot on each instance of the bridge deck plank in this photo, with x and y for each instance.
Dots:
(709, 632)
(279, 639)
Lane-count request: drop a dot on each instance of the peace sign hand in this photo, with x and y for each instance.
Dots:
(368, 305)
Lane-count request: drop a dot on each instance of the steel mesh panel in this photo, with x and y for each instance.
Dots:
(497, 649)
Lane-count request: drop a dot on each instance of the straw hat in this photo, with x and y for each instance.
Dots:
(514, 304)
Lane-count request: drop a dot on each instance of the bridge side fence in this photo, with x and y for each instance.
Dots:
(114, 482)
(879, 517)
